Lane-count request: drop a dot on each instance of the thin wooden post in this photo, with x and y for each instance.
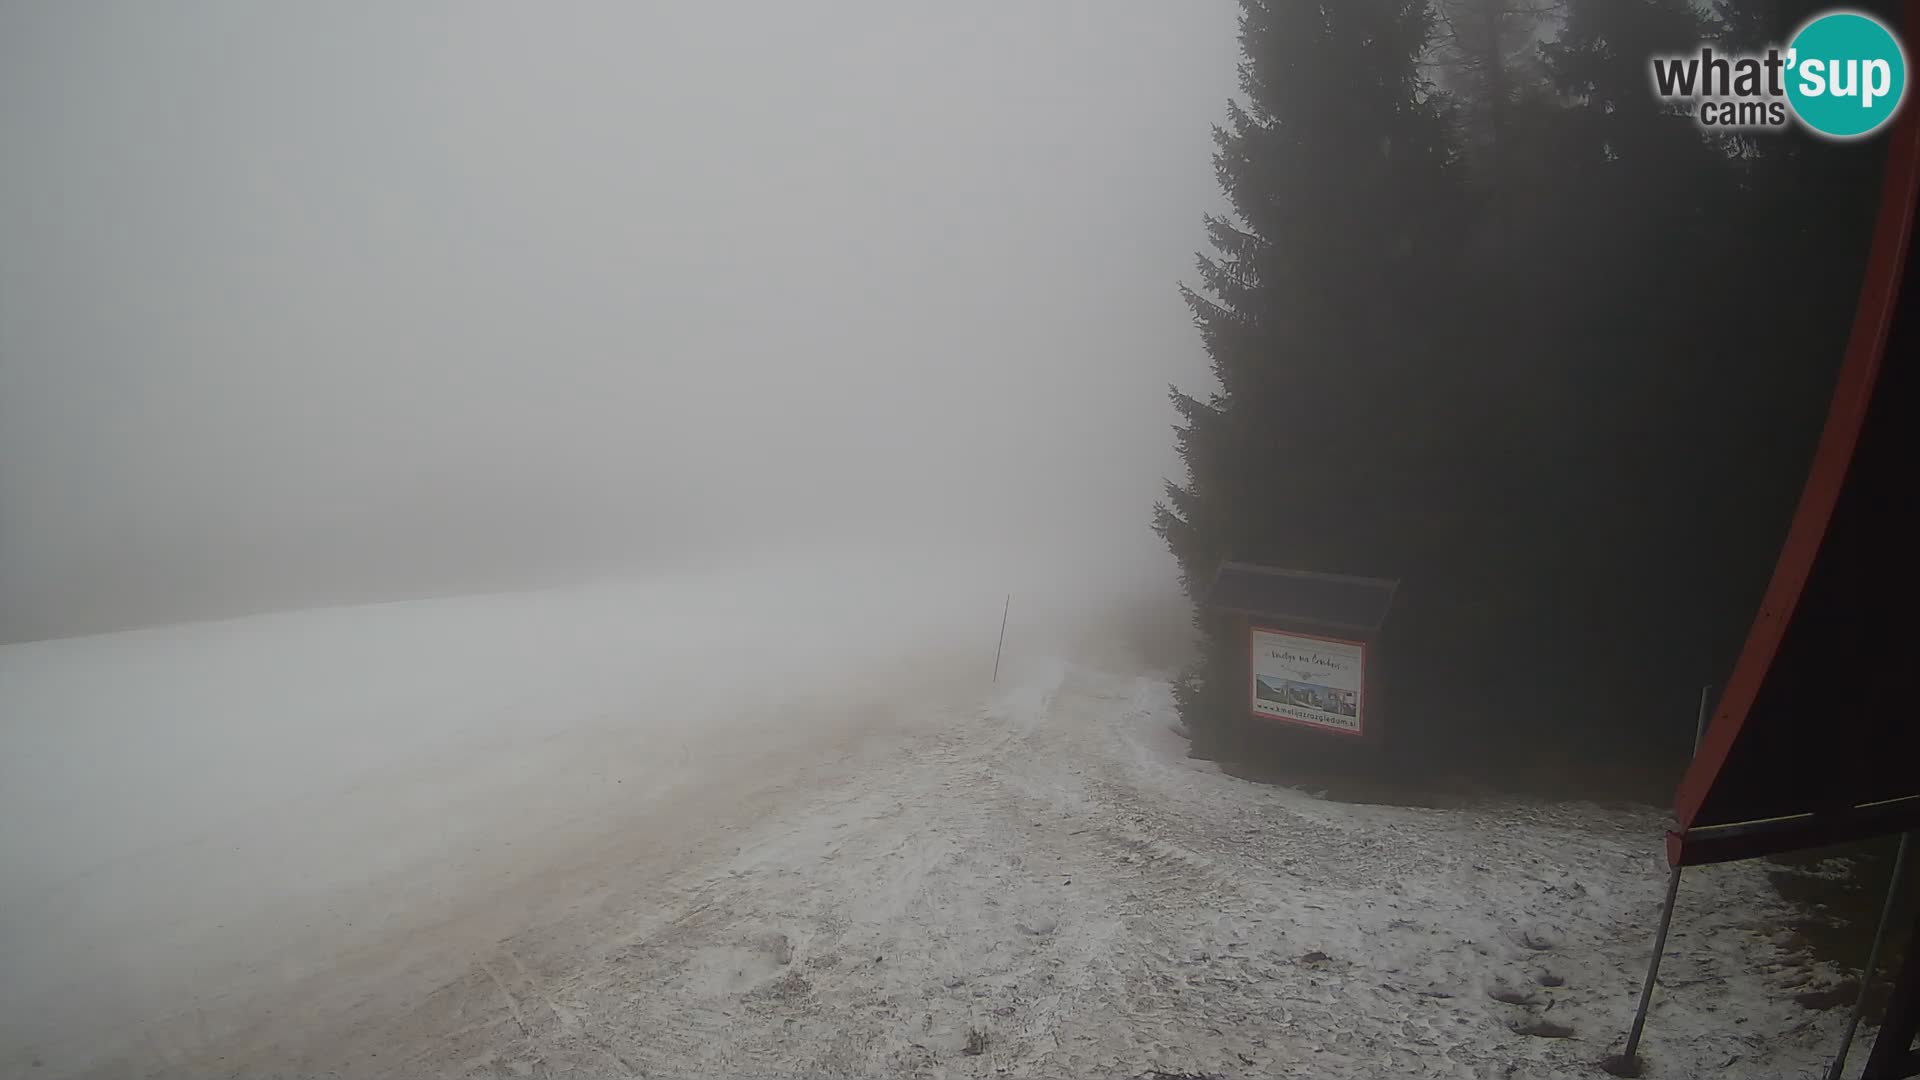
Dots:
(1004, 608)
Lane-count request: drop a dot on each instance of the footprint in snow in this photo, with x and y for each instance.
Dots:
(1542, 1028)
(1511, 996)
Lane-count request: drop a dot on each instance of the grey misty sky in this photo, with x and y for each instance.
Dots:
(306, 303)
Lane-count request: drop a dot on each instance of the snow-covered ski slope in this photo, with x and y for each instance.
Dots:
(776, 821)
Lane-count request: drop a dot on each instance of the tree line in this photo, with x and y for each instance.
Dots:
(1490, 318)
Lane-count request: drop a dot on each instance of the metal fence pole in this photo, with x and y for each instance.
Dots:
(1629, 1056)
(1653, 969)
(1873, 954)
(1700, 729)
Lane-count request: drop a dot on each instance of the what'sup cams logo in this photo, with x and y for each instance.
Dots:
(1842, 76)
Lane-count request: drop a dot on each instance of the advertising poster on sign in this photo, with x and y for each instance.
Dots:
(1307, 680)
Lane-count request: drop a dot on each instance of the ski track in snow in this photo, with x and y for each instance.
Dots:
(1027, 880)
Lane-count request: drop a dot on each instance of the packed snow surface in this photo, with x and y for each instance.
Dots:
(782, 822)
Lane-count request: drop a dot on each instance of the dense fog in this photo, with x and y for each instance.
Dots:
(340, 304)
(746, 359)
(638, 538)
(353, 802)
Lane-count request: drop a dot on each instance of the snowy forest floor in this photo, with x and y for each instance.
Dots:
(950, 879)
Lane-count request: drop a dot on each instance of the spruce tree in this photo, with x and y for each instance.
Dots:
(1506, 338)
(1487, 55)
(1322, 308)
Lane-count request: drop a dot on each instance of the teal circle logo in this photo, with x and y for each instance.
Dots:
(1846, 74)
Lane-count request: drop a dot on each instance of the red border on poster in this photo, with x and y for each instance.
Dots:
(1360, 700)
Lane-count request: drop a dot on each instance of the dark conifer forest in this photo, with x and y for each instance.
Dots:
(1490, 318)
